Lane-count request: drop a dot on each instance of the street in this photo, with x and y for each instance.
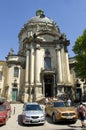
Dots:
(15, 123)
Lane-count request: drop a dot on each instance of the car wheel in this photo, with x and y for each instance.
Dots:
(53, 118)
(42, 123)
(74, 121)
(5, 122)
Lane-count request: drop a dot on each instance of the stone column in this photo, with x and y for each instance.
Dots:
(54, 85)
(37, 65)
(67, 64)
(32, 66)
(59, 63)
(27, 87)
(63, 63)
(31, 73)
(27, 68)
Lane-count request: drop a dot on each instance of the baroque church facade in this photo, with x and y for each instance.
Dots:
(42, 67)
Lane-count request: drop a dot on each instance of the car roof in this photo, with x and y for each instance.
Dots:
(31, 103)
(57, 100)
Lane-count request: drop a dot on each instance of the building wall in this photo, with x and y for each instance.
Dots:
(3, 70)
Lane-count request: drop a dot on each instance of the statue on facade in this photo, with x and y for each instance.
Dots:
(11, 51)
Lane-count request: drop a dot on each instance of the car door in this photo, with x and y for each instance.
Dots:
(8, 109)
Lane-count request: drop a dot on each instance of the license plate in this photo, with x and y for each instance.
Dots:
(35, 121)
(69, 117)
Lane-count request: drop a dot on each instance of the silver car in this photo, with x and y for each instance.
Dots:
(33, 114)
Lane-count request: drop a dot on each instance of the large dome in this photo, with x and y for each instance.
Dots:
(40, 22)
(40, 17)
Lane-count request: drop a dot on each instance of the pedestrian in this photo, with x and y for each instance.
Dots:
(69, 102)
(81, 109)
(46, 100)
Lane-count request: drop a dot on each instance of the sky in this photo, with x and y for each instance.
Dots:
(69, 15)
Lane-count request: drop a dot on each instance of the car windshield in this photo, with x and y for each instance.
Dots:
(2, 100)
(2, 107)
(59, 104)
(32, 107)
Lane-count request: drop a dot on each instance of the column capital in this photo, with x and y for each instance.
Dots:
(27, 49)
(38, 46)
(58, 47)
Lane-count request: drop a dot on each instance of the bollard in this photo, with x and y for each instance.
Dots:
(14, 110)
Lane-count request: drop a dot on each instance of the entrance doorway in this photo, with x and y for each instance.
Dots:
(78, 94)
(48, 80)
(48, 90)
(14, 94)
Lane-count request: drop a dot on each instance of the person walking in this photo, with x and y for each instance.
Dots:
(81, 109)
(69, 102)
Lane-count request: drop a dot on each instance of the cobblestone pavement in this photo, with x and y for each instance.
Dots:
(15, 123)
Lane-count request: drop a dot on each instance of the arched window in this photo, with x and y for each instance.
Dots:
(16, 71)
(47, 63)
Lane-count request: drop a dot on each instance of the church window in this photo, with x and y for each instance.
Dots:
(47, 63)
(47, 52)
(16, 71)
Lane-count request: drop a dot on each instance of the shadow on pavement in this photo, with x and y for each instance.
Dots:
(49, 120)
(1, 125)
(74, 127)
(20, 120)
(67, 129)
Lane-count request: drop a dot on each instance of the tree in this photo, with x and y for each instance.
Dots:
(80, 54)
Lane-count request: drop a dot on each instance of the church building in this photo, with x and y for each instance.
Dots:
(41, 67)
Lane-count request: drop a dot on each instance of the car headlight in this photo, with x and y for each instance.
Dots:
(42, 116)
(3, 116)
(58, 113)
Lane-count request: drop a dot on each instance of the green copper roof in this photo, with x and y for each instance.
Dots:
(39, 12)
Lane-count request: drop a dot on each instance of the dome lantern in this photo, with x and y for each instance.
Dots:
(40, 13)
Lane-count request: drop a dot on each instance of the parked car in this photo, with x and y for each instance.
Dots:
(84, 100)
(84, 103)
(5, 112)
(2, 100)
(58, 111)
(33, 114)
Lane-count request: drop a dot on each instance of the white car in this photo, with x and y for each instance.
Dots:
(84, 103)
(33, 114)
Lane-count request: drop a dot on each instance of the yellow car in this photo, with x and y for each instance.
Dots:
(58, 111)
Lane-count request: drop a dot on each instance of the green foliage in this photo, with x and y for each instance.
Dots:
(80, 50)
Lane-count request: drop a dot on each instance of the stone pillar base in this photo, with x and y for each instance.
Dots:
(25, 98)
